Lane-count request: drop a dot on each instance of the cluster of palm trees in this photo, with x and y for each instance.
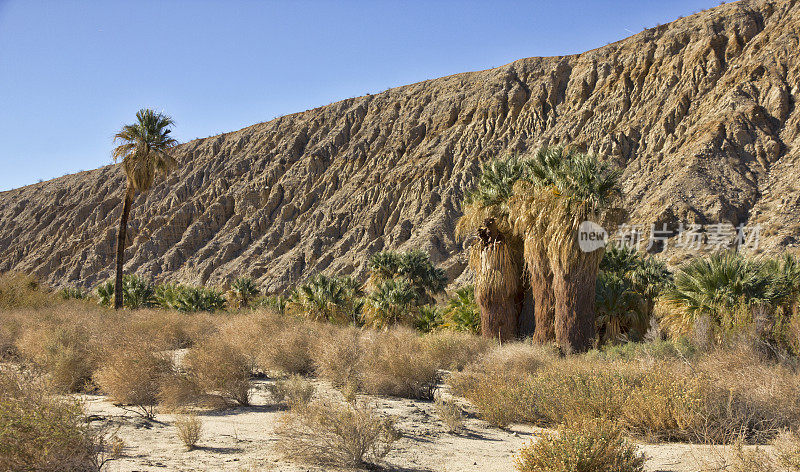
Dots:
(400, 290)
(531, 276)
(524, 215)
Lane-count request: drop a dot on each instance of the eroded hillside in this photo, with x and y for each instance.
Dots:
(701, 114)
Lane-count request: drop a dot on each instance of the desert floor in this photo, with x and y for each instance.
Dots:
(243, 439)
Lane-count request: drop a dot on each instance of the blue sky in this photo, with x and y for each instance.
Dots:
(72, 73)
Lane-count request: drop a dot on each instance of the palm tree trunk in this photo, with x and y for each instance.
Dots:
(574, 291)
(498, 318)
(541, 283)
(498, 288)
(544, 307)
(121, 236)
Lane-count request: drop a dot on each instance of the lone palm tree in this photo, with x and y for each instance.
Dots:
(495, 255)
(144, 152)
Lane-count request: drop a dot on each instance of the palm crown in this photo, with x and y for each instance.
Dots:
(144, 148)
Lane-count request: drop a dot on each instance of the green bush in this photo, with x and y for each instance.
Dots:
(594, 446)
(137, 292)
(185, 298)
(73, 293)
(462, 312)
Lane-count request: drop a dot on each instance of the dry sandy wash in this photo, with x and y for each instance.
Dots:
(243, 439)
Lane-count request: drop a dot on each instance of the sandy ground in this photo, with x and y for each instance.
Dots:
(242, 439)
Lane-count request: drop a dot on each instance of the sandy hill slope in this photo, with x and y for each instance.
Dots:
(700, 113)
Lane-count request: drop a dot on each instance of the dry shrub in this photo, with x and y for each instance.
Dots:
(592, 446)
(748, 394)
(499, 398)
(220, 368)
(787, 448)
(516, 359)
(450, 414)
(248, 332)
(181, 391)
(67, 353)
(190, 429)
(396, 363)
(10, 331)
(43, 432)
(337, 357)
(497, 384)
(717, 398)
(288, 349)
(453, 350)
(335, 434)
(23, 291)
(167, 329)
(294, 392)
(133, 375)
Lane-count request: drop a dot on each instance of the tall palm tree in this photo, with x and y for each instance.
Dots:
(565, 189)
(144, 152)
(530, 223)
(495, 255)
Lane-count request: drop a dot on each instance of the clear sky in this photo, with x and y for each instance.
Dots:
(72, 73)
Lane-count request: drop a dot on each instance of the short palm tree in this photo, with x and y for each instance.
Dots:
(619, 309)
(394, 301)
(144, 152)
(245, 290)
(495, 255)
(326, 298)
(462, 312)
(644, 275)
(414, 266)
(719, 286)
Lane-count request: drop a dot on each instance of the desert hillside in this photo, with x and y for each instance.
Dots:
(700, 113)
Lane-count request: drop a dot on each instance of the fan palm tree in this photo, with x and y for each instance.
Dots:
(542, 171)
(144, 152)
(245, 290)
(716, 286)
(414, 266)
(326, 298)
(566, 189)
(462, 312)
(495, 255)
(393, 301)
(644, 275)
(619, 308)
